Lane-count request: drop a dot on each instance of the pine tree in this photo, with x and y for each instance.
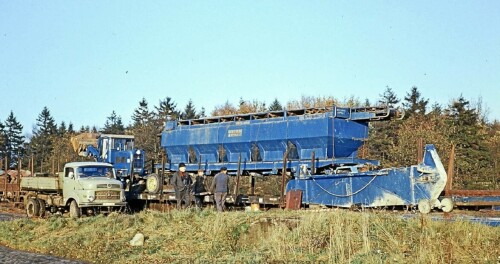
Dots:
(189, 111)
(142, 115)
(384, 134)
(62, 150)
(113, 125)
(62, 129)
(45, 122)
(167, 107)
(275, 105)
(470, 137)
(414, 104)
(71, 130)
(13, 139)
(41, 143)
(144, 130)
(202, 112)
(436, 109)
(388, 98)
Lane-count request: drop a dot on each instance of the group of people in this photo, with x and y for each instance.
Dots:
(185, 186)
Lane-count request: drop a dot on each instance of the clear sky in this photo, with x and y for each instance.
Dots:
(84, 59)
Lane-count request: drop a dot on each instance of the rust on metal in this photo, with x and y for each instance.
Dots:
(313, 165)
(469, 193)
(477, 203)
(283, 178)
(451, 168)
(420, 150)
(293, 199)
(238, 173)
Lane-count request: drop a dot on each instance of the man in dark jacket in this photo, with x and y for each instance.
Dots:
(220, 188)
(199, 190)
(182, 184)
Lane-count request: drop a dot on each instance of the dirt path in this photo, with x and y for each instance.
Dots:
(11, 256)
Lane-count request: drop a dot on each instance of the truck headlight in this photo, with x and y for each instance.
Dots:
(122, 194)
(91, 198)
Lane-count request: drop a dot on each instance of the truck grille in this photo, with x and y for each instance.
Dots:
(109, 186)
(107, 195)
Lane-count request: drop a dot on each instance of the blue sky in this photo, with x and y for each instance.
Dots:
(84, 59)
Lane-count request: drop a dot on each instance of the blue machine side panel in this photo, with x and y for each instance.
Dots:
(390, 187)
(266, 139)
(310, 134)
(387, 187)
(270, 138)
(348, 137)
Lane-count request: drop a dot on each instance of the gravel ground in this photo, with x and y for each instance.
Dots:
(11, 256)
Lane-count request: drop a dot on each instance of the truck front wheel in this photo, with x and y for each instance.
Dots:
(74, 210)
(32, 207)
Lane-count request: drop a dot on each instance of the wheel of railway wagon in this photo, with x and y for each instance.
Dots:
(32, 207)
(447, 205)
(74, 210)
(41, 204)
(424, 206)
(153, 183)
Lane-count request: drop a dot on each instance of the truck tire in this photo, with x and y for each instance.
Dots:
(153, 183)
(32, 207)
(41, 204)
(74, 210)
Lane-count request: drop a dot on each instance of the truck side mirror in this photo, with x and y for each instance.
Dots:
(71, 175)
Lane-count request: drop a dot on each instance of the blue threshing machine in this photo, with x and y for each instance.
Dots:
(318, 147)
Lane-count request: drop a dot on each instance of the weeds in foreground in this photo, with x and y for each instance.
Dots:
(197, 236)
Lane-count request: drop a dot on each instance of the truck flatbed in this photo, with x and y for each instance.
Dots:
(48, 184)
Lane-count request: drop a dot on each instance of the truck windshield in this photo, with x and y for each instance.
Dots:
(96, 171)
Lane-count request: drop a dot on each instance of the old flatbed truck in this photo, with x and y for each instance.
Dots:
(82, 188)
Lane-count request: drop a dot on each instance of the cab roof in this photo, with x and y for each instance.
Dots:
(87, 163)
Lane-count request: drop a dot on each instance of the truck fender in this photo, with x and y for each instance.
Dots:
(72, 196)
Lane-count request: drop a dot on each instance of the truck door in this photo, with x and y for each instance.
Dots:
(69, 182)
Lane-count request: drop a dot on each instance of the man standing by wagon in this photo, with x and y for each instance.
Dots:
(220, 188)
(199, 190)
(182, 185)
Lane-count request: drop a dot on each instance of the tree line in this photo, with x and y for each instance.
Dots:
(460, 123)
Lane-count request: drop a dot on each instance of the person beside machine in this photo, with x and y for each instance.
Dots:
(199, 189)
(220, 188)
(182, 185)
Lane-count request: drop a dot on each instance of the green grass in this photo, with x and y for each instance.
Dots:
(337, 236)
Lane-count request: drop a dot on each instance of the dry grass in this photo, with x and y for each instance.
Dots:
(337, 236)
